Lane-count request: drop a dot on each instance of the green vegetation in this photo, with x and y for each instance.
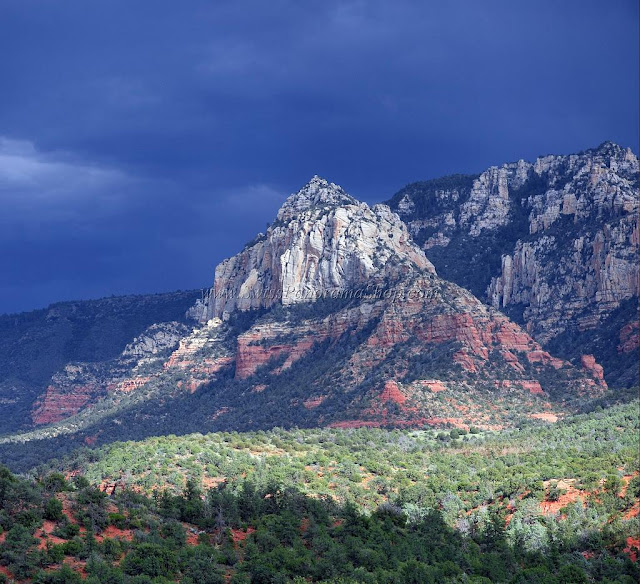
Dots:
(252, 530)
(369, 466)
(549, 503)
(459, 261)
(471, 261)
(424, 194)
(620, 369)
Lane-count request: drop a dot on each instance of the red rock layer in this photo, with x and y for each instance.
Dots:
(531, 386)
(594, 369)
(58, 403)
(265, 342)
(489, 348)
(392, 393)
(433, 385)
(452, 316)
(629, 337)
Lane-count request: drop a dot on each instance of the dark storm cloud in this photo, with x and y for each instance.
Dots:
(145, 141)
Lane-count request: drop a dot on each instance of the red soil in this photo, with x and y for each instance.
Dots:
(192, 535)
(433, 385)
(633, 548)
(547, 417)
(313, 402)
(219, 413)
(392, 393)
(633, 512)
(46, 529)
(5, 571)
(113, 532)
(571, 496)
(239, 535)
(212, 482)
(625, 482)
(90, 440)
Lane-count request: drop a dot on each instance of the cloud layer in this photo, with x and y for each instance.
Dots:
(143, 142)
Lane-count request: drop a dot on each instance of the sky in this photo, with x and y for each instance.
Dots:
(143, 141)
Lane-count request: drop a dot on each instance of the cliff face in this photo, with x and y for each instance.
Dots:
(580, 259)
(322, 241)
(166, 360)
(334, 317)
(553, 243)
(37, 347)
(398, 325)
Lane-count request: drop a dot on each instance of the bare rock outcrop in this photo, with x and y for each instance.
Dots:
(323, 240)
(78, 385)
(553, 243)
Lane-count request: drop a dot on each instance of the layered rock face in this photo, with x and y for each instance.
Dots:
(447, 358)
(335, 316)
(581, 258)
(322, 241)
(553, 243)
(401, 325)
(80, 384)
(37, 347)
(167, 359)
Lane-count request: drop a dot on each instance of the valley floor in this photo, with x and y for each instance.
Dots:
(543, 503)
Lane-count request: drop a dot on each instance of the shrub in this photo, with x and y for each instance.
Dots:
(53, 509)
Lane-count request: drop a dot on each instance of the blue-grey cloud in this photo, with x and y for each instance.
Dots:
(145, 141)
(54, 186)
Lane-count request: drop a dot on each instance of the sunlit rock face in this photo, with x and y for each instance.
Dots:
(581, 256)
(410, 331)
(553, 243)
(323, 240)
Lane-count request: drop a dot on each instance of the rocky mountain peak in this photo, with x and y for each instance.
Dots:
(324, 241)
(612, 150)
(318, 192)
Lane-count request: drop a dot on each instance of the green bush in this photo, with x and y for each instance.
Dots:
(53, 509)
(117, 520)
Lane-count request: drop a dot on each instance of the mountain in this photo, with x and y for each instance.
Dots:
(397, 333)
(322, 241)
(553, 244)
(333, 317)
(42, 350)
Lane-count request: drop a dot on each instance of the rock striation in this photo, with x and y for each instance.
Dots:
(81, 384)
(335, 316)
(400, 327)
(553, 243)
(323, 240)
(581, 257)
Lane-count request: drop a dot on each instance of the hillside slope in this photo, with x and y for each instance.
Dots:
(40, 349)
(329, 505)
(553, 244)
(334, 317)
